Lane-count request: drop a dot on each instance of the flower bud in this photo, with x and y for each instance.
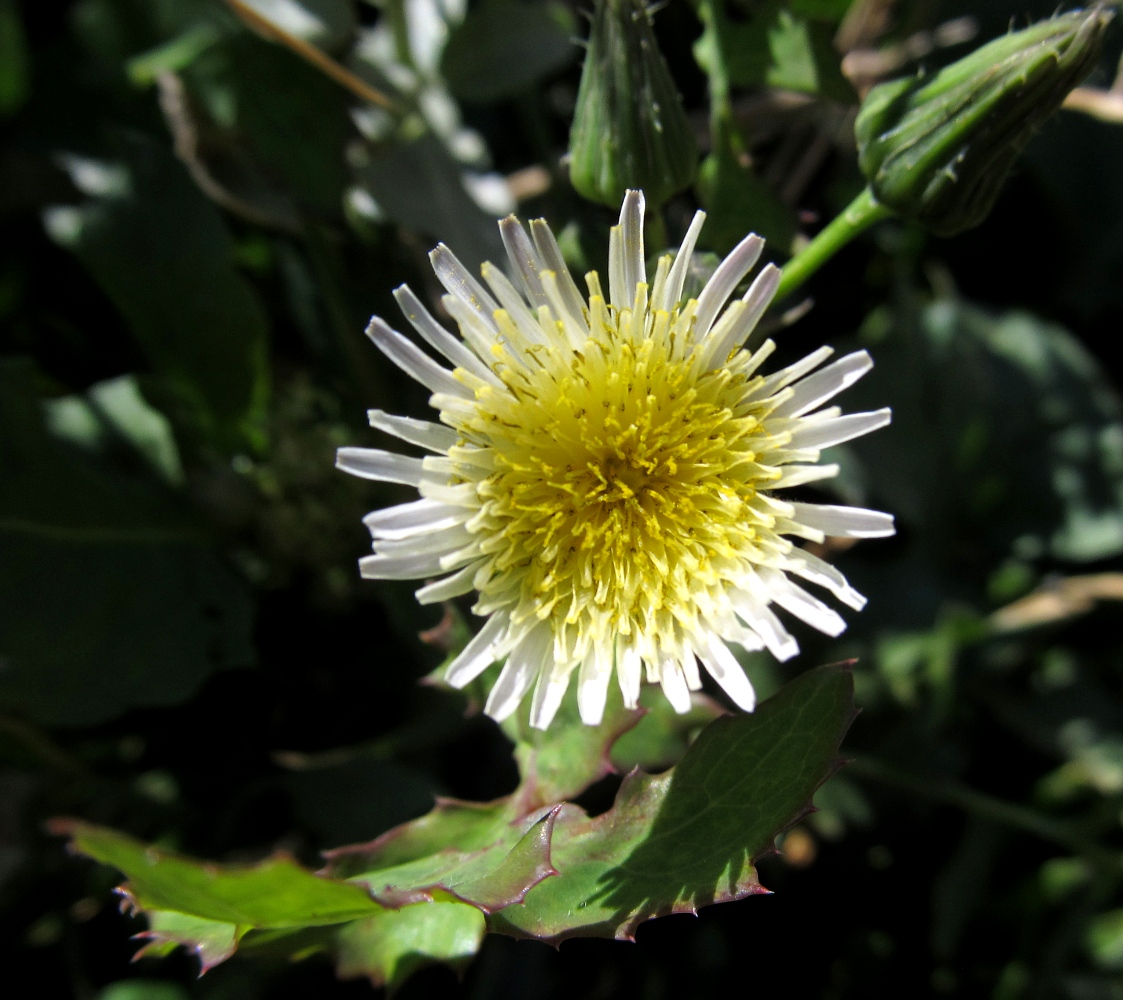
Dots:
(629, 127)
(938, 148)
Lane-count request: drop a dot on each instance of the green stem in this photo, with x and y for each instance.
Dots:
(858, 216)
(985, 806)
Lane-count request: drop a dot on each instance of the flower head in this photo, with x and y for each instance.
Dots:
(606, 472)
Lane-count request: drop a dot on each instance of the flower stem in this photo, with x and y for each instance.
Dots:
(1008, 814)
(858, 216)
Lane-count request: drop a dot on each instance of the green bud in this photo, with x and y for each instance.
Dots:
(629, 128)
(938, 148)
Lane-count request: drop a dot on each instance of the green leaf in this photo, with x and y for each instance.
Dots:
(109, 594)
(489, 856)
(270, 122)
(276, 892)
(662, 736)
(992, 414)
(390, 947)
(419, 186)
(740, 202)
(163, 254)
(503, 47)
(802, 57)
(690, 837)
(567, 758)
(212, 941)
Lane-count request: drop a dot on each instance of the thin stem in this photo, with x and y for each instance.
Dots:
(858, 216)
(309, 53)
(981, 804)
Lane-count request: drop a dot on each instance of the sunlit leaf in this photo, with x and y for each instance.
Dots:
(389, 947)
(688, 838)
(276, 892)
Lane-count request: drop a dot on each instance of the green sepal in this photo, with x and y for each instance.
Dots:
(629, 127)
(938, 148)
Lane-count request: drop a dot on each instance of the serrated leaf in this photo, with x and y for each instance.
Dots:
(489, 875)
(212, 941)
(276, 892)
(690, 837)
(389, 947)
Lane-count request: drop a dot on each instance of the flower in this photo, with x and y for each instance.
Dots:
(605, 472)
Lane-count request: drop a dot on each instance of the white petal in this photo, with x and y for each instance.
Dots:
(406, 566)
(575, 324)
(844, 522)
(757, 299)
(723, 667)
(460, 582)
(814, 570)
(528, 657)
(441, 542)
(673, 682)
(793, 598)
(831, 432)
(553, 260)
(722, 282)
(523, 258)
(778, 640)
(455, 277)
(417, 517)
(548, 694)
(689, 666)
(423, 433)
(592, 687)
(480, 653)
(681, 267)
(413, 361)
(439, 338)
(512, 301)
(628, 673)
(797, 475)
(825, 384)
(385, 466)
(626, 264)
(785, 376)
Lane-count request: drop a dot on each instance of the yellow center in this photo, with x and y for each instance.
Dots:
(616, 482)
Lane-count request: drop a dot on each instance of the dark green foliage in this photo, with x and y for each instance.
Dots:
(195, 226)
